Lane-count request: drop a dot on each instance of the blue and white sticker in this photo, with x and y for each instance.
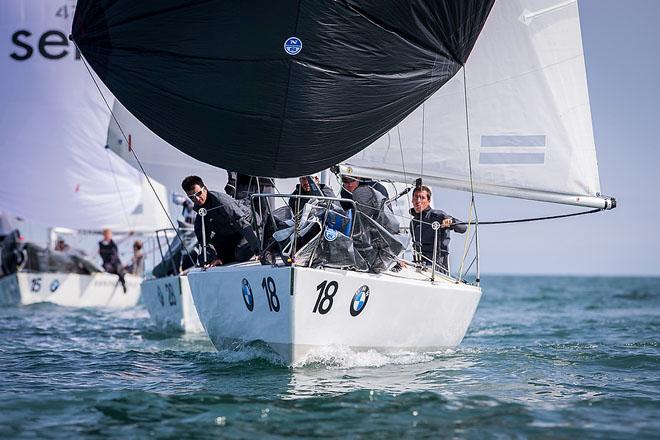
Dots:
(293, 45)
(248, 298)
(330, 234)
(54, 285)
(359, 301)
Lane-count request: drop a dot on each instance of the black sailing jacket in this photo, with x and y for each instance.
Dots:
(225, 217)
(427, 236)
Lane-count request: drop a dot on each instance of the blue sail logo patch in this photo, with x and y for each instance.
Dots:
(293, 45)
(248, 298)
(359, 301)
(330, 234)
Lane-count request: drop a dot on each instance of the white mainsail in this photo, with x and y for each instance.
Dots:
(529, 116)
(55, 169)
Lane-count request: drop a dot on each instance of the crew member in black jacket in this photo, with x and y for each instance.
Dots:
(227, 223)
(422, 232)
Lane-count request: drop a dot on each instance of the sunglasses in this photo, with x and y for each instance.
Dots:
(348, 179)
(196, 195)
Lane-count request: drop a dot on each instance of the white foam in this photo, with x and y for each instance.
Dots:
(342, 357)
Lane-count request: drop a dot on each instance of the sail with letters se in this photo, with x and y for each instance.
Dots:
(55, 169)
(275, 88)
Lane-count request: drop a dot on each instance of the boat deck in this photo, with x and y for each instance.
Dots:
(410, 272)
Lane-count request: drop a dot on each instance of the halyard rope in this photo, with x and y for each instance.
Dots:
(132, 150)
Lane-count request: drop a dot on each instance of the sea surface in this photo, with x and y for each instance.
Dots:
(545, 357)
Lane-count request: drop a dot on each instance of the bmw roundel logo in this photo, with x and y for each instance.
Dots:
(248, 299)
(330, 234)
(54, 285)
(359, 301)
(293, 45)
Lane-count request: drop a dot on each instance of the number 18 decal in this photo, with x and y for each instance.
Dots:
(268, 284)
(327, 291)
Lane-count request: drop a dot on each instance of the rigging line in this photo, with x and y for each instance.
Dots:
(132, 150)
(403, 164)
(465, 255)
(473, 205)
(432, 74)
(470, 266)
(423, 126)
(121, 198)
(466, 244)
(534, 219)
(497, 222)
(421, 174)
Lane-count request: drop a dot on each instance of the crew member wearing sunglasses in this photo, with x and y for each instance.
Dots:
(229, 233)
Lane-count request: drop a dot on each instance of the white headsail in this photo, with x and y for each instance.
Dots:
(54, 167)
(529, 115)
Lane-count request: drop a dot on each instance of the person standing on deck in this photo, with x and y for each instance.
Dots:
(422, 232)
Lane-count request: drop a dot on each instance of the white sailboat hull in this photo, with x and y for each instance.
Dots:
(170, 304)
(69, 289)
(297, 311)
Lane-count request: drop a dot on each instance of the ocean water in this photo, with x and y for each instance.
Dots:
(545, 357)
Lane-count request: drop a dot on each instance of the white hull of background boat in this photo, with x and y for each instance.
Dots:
(69, 289)
(171, 304)
(298, 311)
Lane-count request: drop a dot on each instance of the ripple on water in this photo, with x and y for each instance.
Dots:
(545, 357)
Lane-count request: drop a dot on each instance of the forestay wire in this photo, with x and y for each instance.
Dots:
(121, 198)
(473, 206)
(132, 150)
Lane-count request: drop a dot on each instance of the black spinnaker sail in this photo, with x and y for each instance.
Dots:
(272, 87)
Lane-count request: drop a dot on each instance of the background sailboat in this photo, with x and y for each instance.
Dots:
(56, 171)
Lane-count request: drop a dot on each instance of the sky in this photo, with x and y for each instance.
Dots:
(621, 42)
